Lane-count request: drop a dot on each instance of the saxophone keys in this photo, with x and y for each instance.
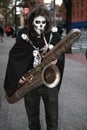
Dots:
(29, 78)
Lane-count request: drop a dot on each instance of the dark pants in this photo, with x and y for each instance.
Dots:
(32, 105)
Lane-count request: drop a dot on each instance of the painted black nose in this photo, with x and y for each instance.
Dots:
(41, 26)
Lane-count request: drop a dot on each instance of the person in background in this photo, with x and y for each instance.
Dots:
(8, 31)
(31, 45)
(1, 33)
(60, 30)
(12, 31)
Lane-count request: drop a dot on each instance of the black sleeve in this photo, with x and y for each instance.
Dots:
(19, 62)
(55, 38)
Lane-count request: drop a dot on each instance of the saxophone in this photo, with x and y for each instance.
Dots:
(45, 73)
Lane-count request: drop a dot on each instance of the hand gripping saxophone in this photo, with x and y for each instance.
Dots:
(45, 73)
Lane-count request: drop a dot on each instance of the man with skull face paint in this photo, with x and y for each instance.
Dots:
(27, 52)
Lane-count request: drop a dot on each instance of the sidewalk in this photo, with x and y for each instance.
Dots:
(73, 94)
(77, 57)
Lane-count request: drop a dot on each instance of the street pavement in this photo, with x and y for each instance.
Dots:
(72, 96)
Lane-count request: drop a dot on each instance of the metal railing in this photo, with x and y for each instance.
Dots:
(81, 45)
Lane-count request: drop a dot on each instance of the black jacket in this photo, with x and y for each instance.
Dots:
(21, 59)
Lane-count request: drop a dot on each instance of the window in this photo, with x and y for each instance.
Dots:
(81, 13)
(73, 14)
(77, 13)
(82, 2)
(76, 4)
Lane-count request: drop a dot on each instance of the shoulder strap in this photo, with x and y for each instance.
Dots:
(51, 36)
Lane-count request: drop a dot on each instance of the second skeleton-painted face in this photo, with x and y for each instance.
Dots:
(39, 23)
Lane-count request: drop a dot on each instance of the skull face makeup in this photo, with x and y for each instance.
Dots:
(39, 23)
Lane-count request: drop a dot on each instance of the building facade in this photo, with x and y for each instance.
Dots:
(79, 13)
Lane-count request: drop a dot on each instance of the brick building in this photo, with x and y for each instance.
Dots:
(79, 13)
(57, 13)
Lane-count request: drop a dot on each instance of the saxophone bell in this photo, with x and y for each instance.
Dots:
(50, 75)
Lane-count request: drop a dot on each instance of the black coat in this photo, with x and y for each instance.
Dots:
(21, 59)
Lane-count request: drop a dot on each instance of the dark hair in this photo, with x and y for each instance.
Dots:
(39, 10)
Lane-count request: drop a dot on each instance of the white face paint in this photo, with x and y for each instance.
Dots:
(39, 23)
